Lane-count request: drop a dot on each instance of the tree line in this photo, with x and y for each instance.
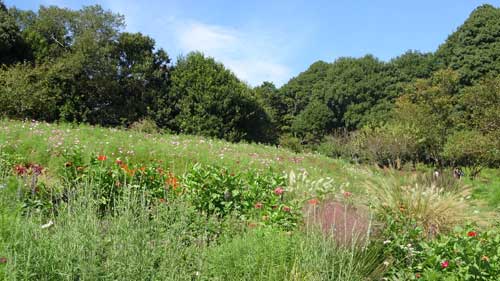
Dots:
(81, 66)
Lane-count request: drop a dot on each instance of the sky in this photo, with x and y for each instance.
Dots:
(275, 40)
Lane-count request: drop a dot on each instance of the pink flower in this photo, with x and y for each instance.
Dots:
(445, 264)
(258, 205)
(286, 209)
(347, 194)
(37, 169)
(472, 234)
(279, 190)
(3, 260)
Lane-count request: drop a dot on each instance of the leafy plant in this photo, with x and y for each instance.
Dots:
(251, 195)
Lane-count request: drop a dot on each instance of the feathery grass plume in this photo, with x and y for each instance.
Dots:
(433, 208)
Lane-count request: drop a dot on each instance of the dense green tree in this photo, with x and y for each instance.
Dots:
(314, 122)
(429, 108)
(413, 65)
(273, 102)
(299, 91)
(474, 49)
(479, 107)
(13, 48)
(353, 89)
(211, 101)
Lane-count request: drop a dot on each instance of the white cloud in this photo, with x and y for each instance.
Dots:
(253, 57)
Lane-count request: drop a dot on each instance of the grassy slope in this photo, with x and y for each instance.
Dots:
(44, 143)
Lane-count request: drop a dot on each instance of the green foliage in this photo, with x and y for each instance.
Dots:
(259, 197)
(479, 107)
(473, 150)
(433, 209)
(265, 254)
(465, 254)
(13, 48)
(390, 145)
(147, 126)
(472, 50)
(213, 102)
(315, 121)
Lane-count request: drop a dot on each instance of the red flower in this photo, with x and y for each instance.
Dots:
(37, 169)
(3, 260)
(172, 181)
(279, 190)
(472, 234)
(417, 275)
(286, 209)
(102, 157)
(258, 205)
(445, 264)
(313, 201)
(20, 170)
(347, 194)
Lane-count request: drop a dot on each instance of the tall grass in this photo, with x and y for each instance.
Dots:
(270, 255)
(162, 242)
(434, 208)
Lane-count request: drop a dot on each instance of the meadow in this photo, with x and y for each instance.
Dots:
(81, 202)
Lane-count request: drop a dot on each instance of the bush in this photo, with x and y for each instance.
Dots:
(390, 145)
(145, 125)
(261, 197)
(338, 145)
(291, 142)
(465, 254)
(473, 150)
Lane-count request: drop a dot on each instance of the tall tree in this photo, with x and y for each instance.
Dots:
(474, 49)
(12, 45)
(211, 101)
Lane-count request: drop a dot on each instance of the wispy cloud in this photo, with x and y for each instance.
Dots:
(253, 57)
(252, 54)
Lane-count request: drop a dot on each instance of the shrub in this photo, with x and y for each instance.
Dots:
(473, 150)
(261, 197)
(390, 145)
(145, 125)
(291, 142)
(466, 254)
(338, 145)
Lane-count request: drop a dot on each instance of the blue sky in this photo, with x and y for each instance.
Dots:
(275, 40)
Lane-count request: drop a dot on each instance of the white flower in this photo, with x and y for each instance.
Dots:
(47, 225)
(387, 242)
(386, 263)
